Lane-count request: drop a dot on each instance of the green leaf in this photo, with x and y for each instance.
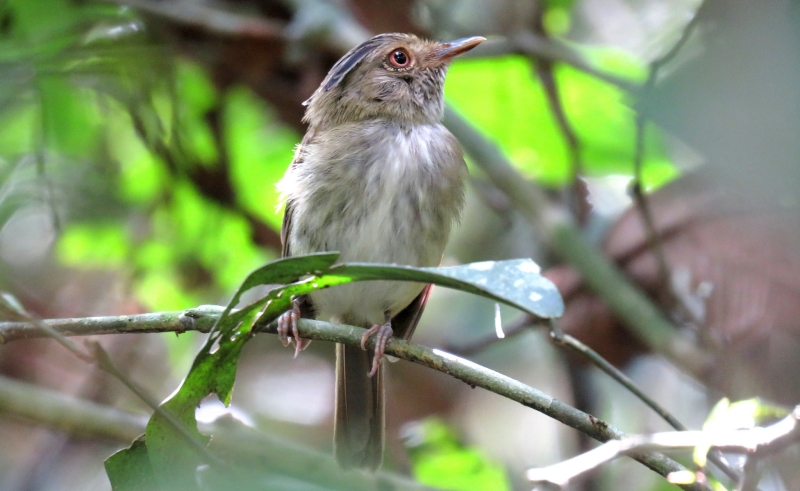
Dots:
(517, 283)
(438, 459)
(130, 470)
(214, 370)
(260, 150)
(94, 245)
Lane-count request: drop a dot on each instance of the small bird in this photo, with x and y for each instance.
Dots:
(378, 178)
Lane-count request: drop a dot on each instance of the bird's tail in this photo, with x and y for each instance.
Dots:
(359, 421)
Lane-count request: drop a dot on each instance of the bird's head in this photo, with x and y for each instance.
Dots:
(393, 76)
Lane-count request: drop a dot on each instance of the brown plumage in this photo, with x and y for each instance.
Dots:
(379, 179)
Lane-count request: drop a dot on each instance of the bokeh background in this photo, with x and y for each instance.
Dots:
(140, 144)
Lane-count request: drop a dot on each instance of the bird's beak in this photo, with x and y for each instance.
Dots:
(447, 51)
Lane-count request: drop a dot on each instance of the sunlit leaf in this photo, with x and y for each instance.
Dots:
(438, 459)
(513, 110)
(18, 122)
(142, 176)
(259, 150)
(69, 116)
(94, 245)
(728, 416)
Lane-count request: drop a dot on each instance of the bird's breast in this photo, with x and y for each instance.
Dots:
(380, 193)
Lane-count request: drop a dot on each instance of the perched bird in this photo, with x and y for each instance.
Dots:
(378, 178)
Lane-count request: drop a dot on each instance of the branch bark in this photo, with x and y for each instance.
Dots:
(755, 442)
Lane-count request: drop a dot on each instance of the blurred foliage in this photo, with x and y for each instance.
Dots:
(120, 128)
(440, 460)
(738, 415)
(117, 125)
(126, 141)
(512, 108)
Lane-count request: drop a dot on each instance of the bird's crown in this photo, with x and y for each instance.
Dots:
(396, 76)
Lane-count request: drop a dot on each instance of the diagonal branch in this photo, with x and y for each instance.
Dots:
(644, 320)
(755, 442)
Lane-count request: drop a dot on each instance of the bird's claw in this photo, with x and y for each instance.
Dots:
(288, 322)
(382, 335)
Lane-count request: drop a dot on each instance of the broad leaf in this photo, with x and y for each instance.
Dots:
(516, 283)
(214, 371)
(130, 470)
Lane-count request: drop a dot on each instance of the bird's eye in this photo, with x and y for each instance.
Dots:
(399, 58)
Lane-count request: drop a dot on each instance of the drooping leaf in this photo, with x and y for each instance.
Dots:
(214, 370)
(517, 283)
(130, 470)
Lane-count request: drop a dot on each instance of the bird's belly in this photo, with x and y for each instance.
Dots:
(379, 234)
(379, 206)
(378, 227)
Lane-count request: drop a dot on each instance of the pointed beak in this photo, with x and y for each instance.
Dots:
(447, 51)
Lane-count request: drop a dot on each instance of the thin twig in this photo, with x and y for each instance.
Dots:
(751, 474)
(637, 190)
(642, 318)
(544, 70)
(565, 340)
(528, 43)
(581, 349)
(568, 341)
(205, 16)
(105, 363)
(97, 356)
(68, 413)
(756, 441)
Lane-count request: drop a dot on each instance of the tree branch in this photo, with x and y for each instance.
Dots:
(81, 417)
(205, 16)
(204, 317)
(67, 413)
(643, 319)
(754, 442)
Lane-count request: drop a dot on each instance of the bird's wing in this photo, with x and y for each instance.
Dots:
(405, 322)
(286, 227)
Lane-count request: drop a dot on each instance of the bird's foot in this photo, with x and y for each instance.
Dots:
(382, 334)
(288, 322)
